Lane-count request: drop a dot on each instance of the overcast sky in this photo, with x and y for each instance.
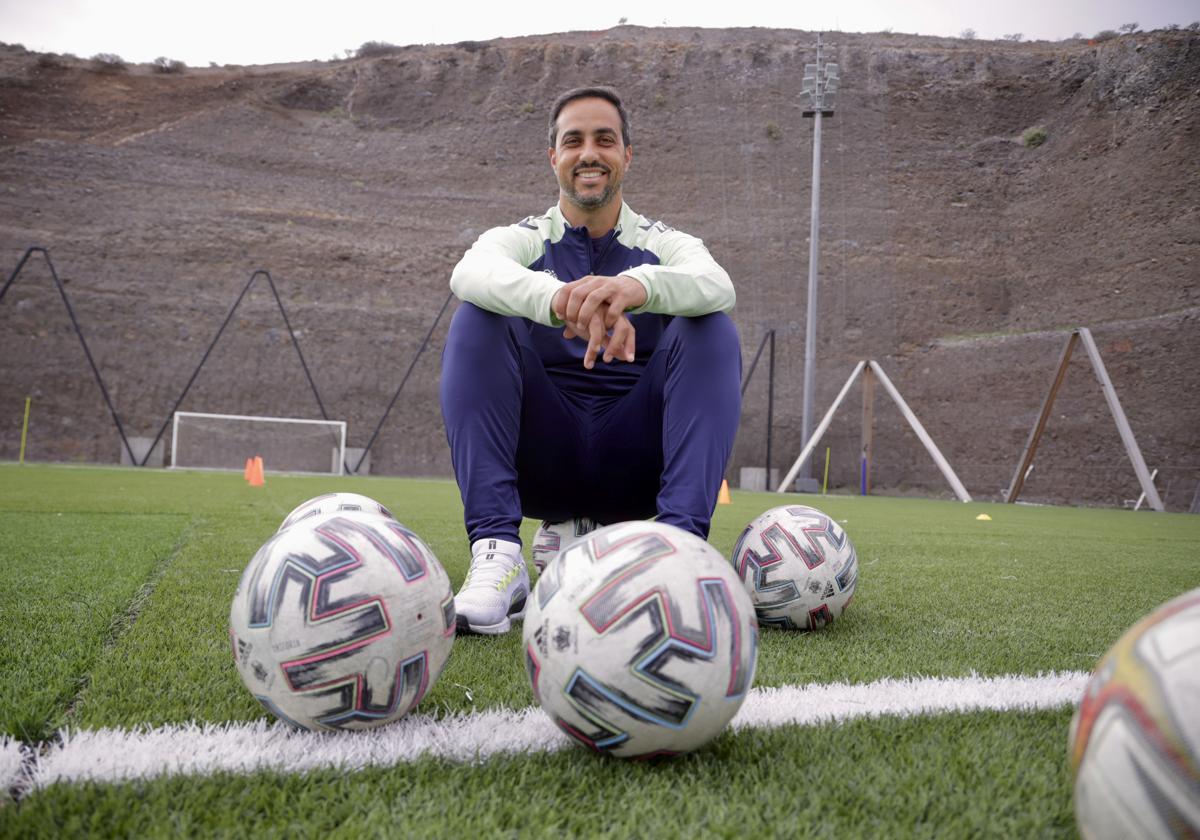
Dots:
(268, 31)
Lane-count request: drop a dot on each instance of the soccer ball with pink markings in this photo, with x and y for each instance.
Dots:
(332, 503)
(799, 567)
(342, 621)
(640, 641)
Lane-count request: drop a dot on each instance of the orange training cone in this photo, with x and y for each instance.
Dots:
(723, 495)
(249, 469)
(256, 472)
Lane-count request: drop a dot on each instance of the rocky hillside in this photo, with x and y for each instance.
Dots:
(953, 252)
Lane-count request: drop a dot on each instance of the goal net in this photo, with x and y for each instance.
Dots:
(225, 441)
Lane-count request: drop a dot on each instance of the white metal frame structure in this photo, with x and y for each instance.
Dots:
(1144, 477)
(873, 367)
(339, 425)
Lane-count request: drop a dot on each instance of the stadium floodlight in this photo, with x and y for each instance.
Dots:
(286, 444)
(818, 89)
(820, 84)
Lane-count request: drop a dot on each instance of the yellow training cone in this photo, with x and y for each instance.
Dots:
(723, 495)
(983, 517)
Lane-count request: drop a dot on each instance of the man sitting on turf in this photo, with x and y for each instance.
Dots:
(591, 370)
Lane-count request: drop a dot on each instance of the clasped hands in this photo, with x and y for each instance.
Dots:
(593, 308)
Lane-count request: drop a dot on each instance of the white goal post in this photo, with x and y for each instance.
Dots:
(202, 441)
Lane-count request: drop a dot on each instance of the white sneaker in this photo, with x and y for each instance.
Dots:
(495, 590)
(553, 537)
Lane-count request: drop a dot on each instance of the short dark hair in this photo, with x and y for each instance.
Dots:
(596, 92)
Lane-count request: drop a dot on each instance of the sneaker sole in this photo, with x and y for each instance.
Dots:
(463, 625)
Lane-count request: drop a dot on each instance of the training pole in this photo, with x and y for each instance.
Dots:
(1114, 405)
(24, 430)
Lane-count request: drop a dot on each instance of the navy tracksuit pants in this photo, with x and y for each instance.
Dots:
(522, 444)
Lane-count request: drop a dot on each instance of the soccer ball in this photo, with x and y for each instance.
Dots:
(342, 622)
(332, 502)
(1135, 739)
(799, 567)
(553, 537)
(640, 641)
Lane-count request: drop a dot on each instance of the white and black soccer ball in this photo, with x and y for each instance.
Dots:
(799, 567)
(640, 641)
(333, 503)
(553, 537)
(342, 622)
(1135, 738)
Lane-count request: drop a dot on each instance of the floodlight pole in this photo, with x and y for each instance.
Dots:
(820, 83)
(810, 321)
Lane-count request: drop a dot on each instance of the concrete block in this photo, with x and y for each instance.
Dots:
(755, 479)
(353, 453)
(140, 446)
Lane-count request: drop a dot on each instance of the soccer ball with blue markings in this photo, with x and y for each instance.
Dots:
(798, 566)
(640, 641)
(332, 503)
(342, 621)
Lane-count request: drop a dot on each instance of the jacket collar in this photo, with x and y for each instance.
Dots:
(626, 221)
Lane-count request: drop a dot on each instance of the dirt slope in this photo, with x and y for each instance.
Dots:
(951, 252)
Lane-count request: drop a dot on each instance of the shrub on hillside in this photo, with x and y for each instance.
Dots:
(1034, 137)
(1106, 35)
(169, 65)
(372, 49)
(109, 63)
(49, 61)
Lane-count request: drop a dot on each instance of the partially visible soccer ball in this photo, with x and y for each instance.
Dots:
(342, 622)
(1135, 739)
(553, 537)
(799, 567)
(331, 503)
(640, 641)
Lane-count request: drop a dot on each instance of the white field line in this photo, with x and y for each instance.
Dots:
(10, 763)
(110, 755)
(808, 705)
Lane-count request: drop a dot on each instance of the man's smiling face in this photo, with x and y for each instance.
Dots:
(589, 156)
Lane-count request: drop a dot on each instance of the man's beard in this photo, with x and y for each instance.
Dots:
(594, 201)
(591, 202)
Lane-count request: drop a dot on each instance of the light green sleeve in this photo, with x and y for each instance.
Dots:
(687, 281)
(492, 275)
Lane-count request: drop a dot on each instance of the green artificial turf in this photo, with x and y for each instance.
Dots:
(943, 593)
(115, 611)
(975, 775)
(73, 584)
(939, 593)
